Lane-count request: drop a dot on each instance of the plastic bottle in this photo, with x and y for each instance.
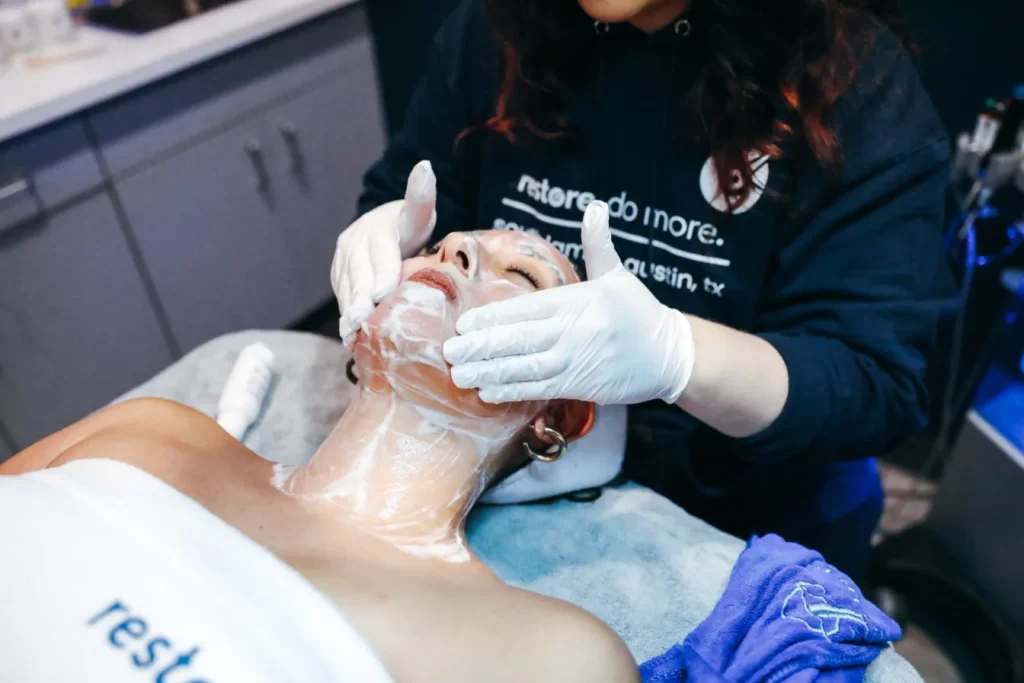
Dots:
(246, 390)
(987, 127)
(1013, 121)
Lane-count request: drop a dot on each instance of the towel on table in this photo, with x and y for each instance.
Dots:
(115, 576)
(637, 561)
(786, 615)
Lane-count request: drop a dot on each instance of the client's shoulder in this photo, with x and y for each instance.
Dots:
(166, 439)
(570, 644)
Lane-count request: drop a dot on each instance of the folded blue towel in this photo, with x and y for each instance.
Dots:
(786, 615)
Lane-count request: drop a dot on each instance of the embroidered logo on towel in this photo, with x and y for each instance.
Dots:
(808, 603)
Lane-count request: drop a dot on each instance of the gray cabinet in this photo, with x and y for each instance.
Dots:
(207, 225)
(76, 327)
(6, 449)
(237, 178)
(238, 229)
(328, 138)
(232, 181)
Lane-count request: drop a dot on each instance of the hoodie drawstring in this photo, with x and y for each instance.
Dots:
(683, 29)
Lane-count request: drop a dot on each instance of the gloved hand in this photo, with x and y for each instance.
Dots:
(607, 340)
(368, 258)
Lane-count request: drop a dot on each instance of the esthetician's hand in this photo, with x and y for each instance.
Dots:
(368, 259)
(607, 340)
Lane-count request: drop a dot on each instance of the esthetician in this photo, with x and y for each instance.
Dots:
(774, 174)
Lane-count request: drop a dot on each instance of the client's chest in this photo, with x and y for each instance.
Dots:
(425, 628)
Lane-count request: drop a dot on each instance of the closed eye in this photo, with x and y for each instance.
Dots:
(434, 249)
(532, 279)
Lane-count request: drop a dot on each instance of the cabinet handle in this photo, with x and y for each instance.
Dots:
(259, 165)
(291, 141)
(15, 189)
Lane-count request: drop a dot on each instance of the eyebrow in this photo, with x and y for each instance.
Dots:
(533, 252)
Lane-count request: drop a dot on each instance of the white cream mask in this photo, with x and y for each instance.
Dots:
(413, 453)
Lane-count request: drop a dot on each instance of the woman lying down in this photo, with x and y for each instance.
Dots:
(136, 540)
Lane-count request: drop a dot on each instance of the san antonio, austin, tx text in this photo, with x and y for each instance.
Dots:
(621, 209)
(658, 272)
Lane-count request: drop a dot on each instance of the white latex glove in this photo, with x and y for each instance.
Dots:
(368, 258)
(607, 340)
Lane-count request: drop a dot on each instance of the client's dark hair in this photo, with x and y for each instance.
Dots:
(777, 69)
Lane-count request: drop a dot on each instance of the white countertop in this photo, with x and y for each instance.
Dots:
(32, 97)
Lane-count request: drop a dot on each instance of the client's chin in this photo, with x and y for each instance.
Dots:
(400, 351)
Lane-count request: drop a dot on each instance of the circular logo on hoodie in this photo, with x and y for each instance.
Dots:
(712, 192)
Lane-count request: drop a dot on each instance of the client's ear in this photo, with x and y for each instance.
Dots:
(572, 419)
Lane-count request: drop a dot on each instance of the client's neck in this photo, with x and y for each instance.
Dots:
(395, 471)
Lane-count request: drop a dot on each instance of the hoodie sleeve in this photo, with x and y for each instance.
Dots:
(447, 101)
(849, 305)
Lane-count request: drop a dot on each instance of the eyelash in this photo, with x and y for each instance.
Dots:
(533, 280)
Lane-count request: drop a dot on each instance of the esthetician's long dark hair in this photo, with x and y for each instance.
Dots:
(776, 71)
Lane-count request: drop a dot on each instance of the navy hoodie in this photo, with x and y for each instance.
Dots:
(835, 272)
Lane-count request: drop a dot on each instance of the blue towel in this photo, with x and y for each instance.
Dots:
(786, 615)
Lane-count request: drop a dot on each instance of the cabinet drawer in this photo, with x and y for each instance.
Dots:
(151, 122)
(76, 327)
(41, 170)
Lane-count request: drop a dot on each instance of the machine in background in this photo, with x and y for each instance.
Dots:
(960, 575)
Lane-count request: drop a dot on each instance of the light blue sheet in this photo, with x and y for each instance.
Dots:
(647, 568)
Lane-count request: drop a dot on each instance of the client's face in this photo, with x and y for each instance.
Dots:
(399, 349)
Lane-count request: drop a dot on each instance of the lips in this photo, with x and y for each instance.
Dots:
(437, 280)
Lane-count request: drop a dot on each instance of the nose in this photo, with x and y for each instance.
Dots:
(460, 251)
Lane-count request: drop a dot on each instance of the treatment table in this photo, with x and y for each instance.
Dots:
(640, 563)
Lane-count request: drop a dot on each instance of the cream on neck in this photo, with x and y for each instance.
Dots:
(398, 472)
(407, 461)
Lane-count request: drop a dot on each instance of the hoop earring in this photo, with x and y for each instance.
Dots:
(560, 443)
(349, 371)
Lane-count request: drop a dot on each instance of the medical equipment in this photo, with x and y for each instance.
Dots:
(989, 162)
(1008, 135)
(988, 124)
(950, 575)
(246, 390)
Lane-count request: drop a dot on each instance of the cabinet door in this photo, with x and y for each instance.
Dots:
(76, 327)
(329, 138)
(207, 227)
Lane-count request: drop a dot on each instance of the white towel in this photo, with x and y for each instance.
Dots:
(592, 461)
(110, 575)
